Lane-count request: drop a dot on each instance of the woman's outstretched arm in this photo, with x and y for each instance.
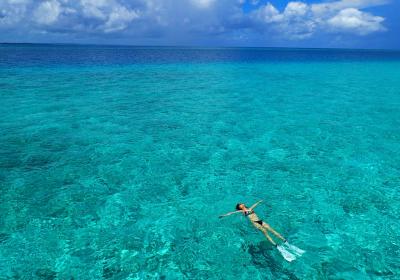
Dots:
(230, 213)
(255, 204)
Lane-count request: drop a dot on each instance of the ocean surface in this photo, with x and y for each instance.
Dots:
(115, 162)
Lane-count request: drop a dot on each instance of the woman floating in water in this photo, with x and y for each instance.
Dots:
(265, 228)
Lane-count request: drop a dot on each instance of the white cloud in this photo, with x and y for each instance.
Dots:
(119, 19)
(335, 6)
(47, 12)
(203, 3)
(296, 9)
(12, 12)
(295, 22)
(300, 20)
(94, 8)
(269, 13)
(109, 15)
(353, 20)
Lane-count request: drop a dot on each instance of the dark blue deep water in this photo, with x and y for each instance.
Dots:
(115, 162)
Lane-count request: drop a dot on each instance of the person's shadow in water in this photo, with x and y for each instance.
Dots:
(263, 256)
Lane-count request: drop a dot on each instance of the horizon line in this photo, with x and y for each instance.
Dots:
(196, 46)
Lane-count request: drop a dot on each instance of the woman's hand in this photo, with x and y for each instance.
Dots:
(228, 214)
(255, 204)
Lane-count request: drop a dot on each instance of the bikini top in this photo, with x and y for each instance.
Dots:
(248, 212)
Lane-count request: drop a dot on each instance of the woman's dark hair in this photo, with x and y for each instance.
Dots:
(238, 206)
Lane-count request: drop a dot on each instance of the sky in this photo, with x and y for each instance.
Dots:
(250, 23)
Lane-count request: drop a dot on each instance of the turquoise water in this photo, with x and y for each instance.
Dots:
(115, 164)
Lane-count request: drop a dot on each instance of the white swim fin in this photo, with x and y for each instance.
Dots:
(297, 251)
(286, 254)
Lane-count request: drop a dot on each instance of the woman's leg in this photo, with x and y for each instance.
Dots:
(269, 228)
(268, 237)
(264, 231)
